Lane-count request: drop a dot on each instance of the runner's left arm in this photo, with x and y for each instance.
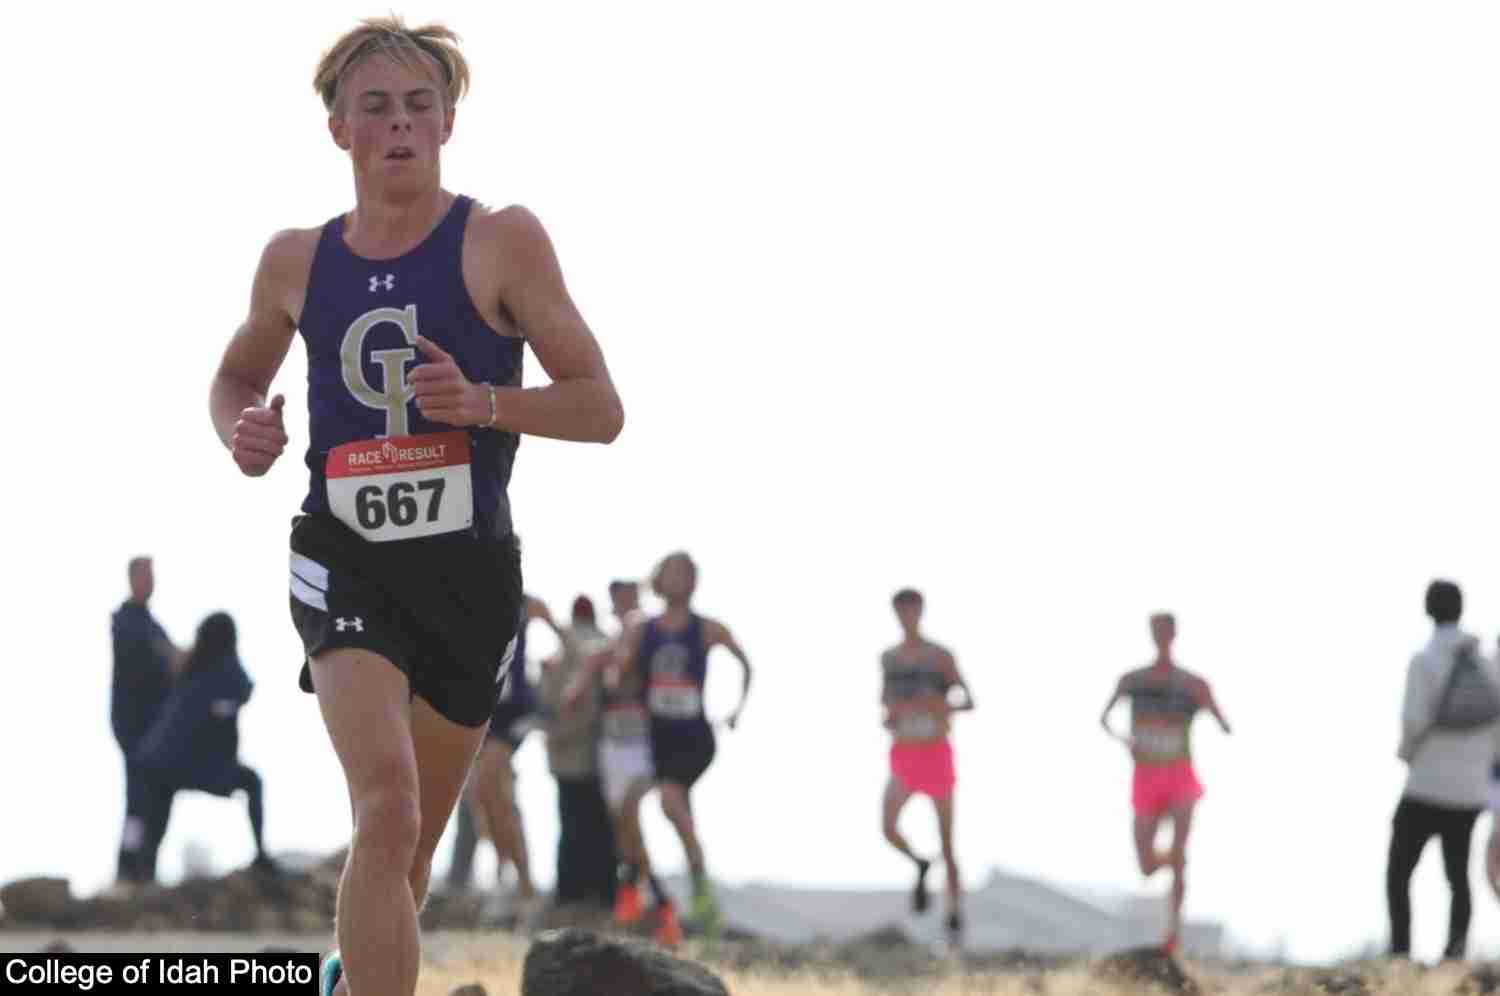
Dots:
(956, 680)
(717, 634)
(581, 404)
(1206, 699)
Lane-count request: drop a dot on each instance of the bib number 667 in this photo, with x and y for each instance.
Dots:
(397, 503)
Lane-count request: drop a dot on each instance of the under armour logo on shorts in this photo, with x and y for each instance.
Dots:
(388, 282)
(357, 624)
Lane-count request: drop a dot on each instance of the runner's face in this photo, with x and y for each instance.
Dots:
(677, 578)
(910, 614)
(395, 121)
(1163, 631)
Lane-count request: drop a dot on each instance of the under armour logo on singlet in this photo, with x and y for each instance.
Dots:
(357, 624)
(388, 282)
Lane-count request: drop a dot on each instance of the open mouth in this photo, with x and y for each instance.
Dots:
(401, 152)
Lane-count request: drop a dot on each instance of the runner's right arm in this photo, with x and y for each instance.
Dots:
(250, 428)
(1109, 708)
(886, 719)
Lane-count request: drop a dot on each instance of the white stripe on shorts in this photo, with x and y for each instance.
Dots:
(309, 581)
(309, 570)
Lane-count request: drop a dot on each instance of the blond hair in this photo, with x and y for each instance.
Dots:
(391, 37)
(661, 568)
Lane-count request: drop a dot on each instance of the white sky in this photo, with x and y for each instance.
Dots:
(1062, 312)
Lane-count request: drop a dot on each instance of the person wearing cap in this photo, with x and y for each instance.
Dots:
(586, 853)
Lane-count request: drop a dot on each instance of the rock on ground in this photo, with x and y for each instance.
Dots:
(576, 962)
(1481, 981)
(1150, 967)
(39, 899)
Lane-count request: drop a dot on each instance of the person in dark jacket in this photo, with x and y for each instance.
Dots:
(194, 743)
(145, 661)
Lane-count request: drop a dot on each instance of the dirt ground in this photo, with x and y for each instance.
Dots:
(455, 958)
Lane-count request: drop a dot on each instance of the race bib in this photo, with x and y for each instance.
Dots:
(675, 701)
(404, 487)
(624, 723)
(917, 726)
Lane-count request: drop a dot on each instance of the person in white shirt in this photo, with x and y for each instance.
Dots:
(1447, 784)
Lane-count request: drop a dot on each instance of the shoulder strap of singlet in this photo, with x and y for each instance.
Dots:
(449, 236)
(328, 238)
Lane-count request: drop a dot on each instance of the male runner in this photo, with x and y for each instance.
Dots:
(626, 769)
(1164, 699)
(406, 577)
(493, 783)
(669, 654)
(917, 676)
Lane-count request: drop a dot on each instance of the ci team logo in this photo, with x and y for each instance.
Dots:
(670, 661)
(393, 394)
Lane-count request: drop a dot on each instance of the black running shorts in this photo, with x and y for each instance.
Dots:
(681, 752)
(442, 609)
(512, 716)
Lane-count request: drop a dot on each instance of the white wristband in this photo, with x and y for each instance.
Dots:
(492, 405)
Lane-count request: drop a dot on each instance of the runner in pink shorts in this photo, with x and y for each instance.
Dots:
(1164, 698)
(917, 676)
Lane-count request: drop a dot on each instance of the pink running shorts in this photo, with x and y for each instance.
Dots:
(924, 766)
(1158, 788)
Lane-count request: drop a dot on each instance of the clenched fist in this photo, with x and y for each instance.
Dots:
(442, 391)
(259, 437)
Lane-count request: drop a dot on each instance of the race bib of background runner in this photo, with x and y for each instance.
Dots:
(672, 701)
(404, 487)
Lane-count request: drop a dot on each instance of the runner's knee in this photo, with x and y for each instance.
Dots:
(674, 806)
(506, 780)
(388, 825)
(890, 816)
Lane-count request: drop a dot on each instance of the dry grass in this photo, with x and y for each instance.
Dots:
(498, 969)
